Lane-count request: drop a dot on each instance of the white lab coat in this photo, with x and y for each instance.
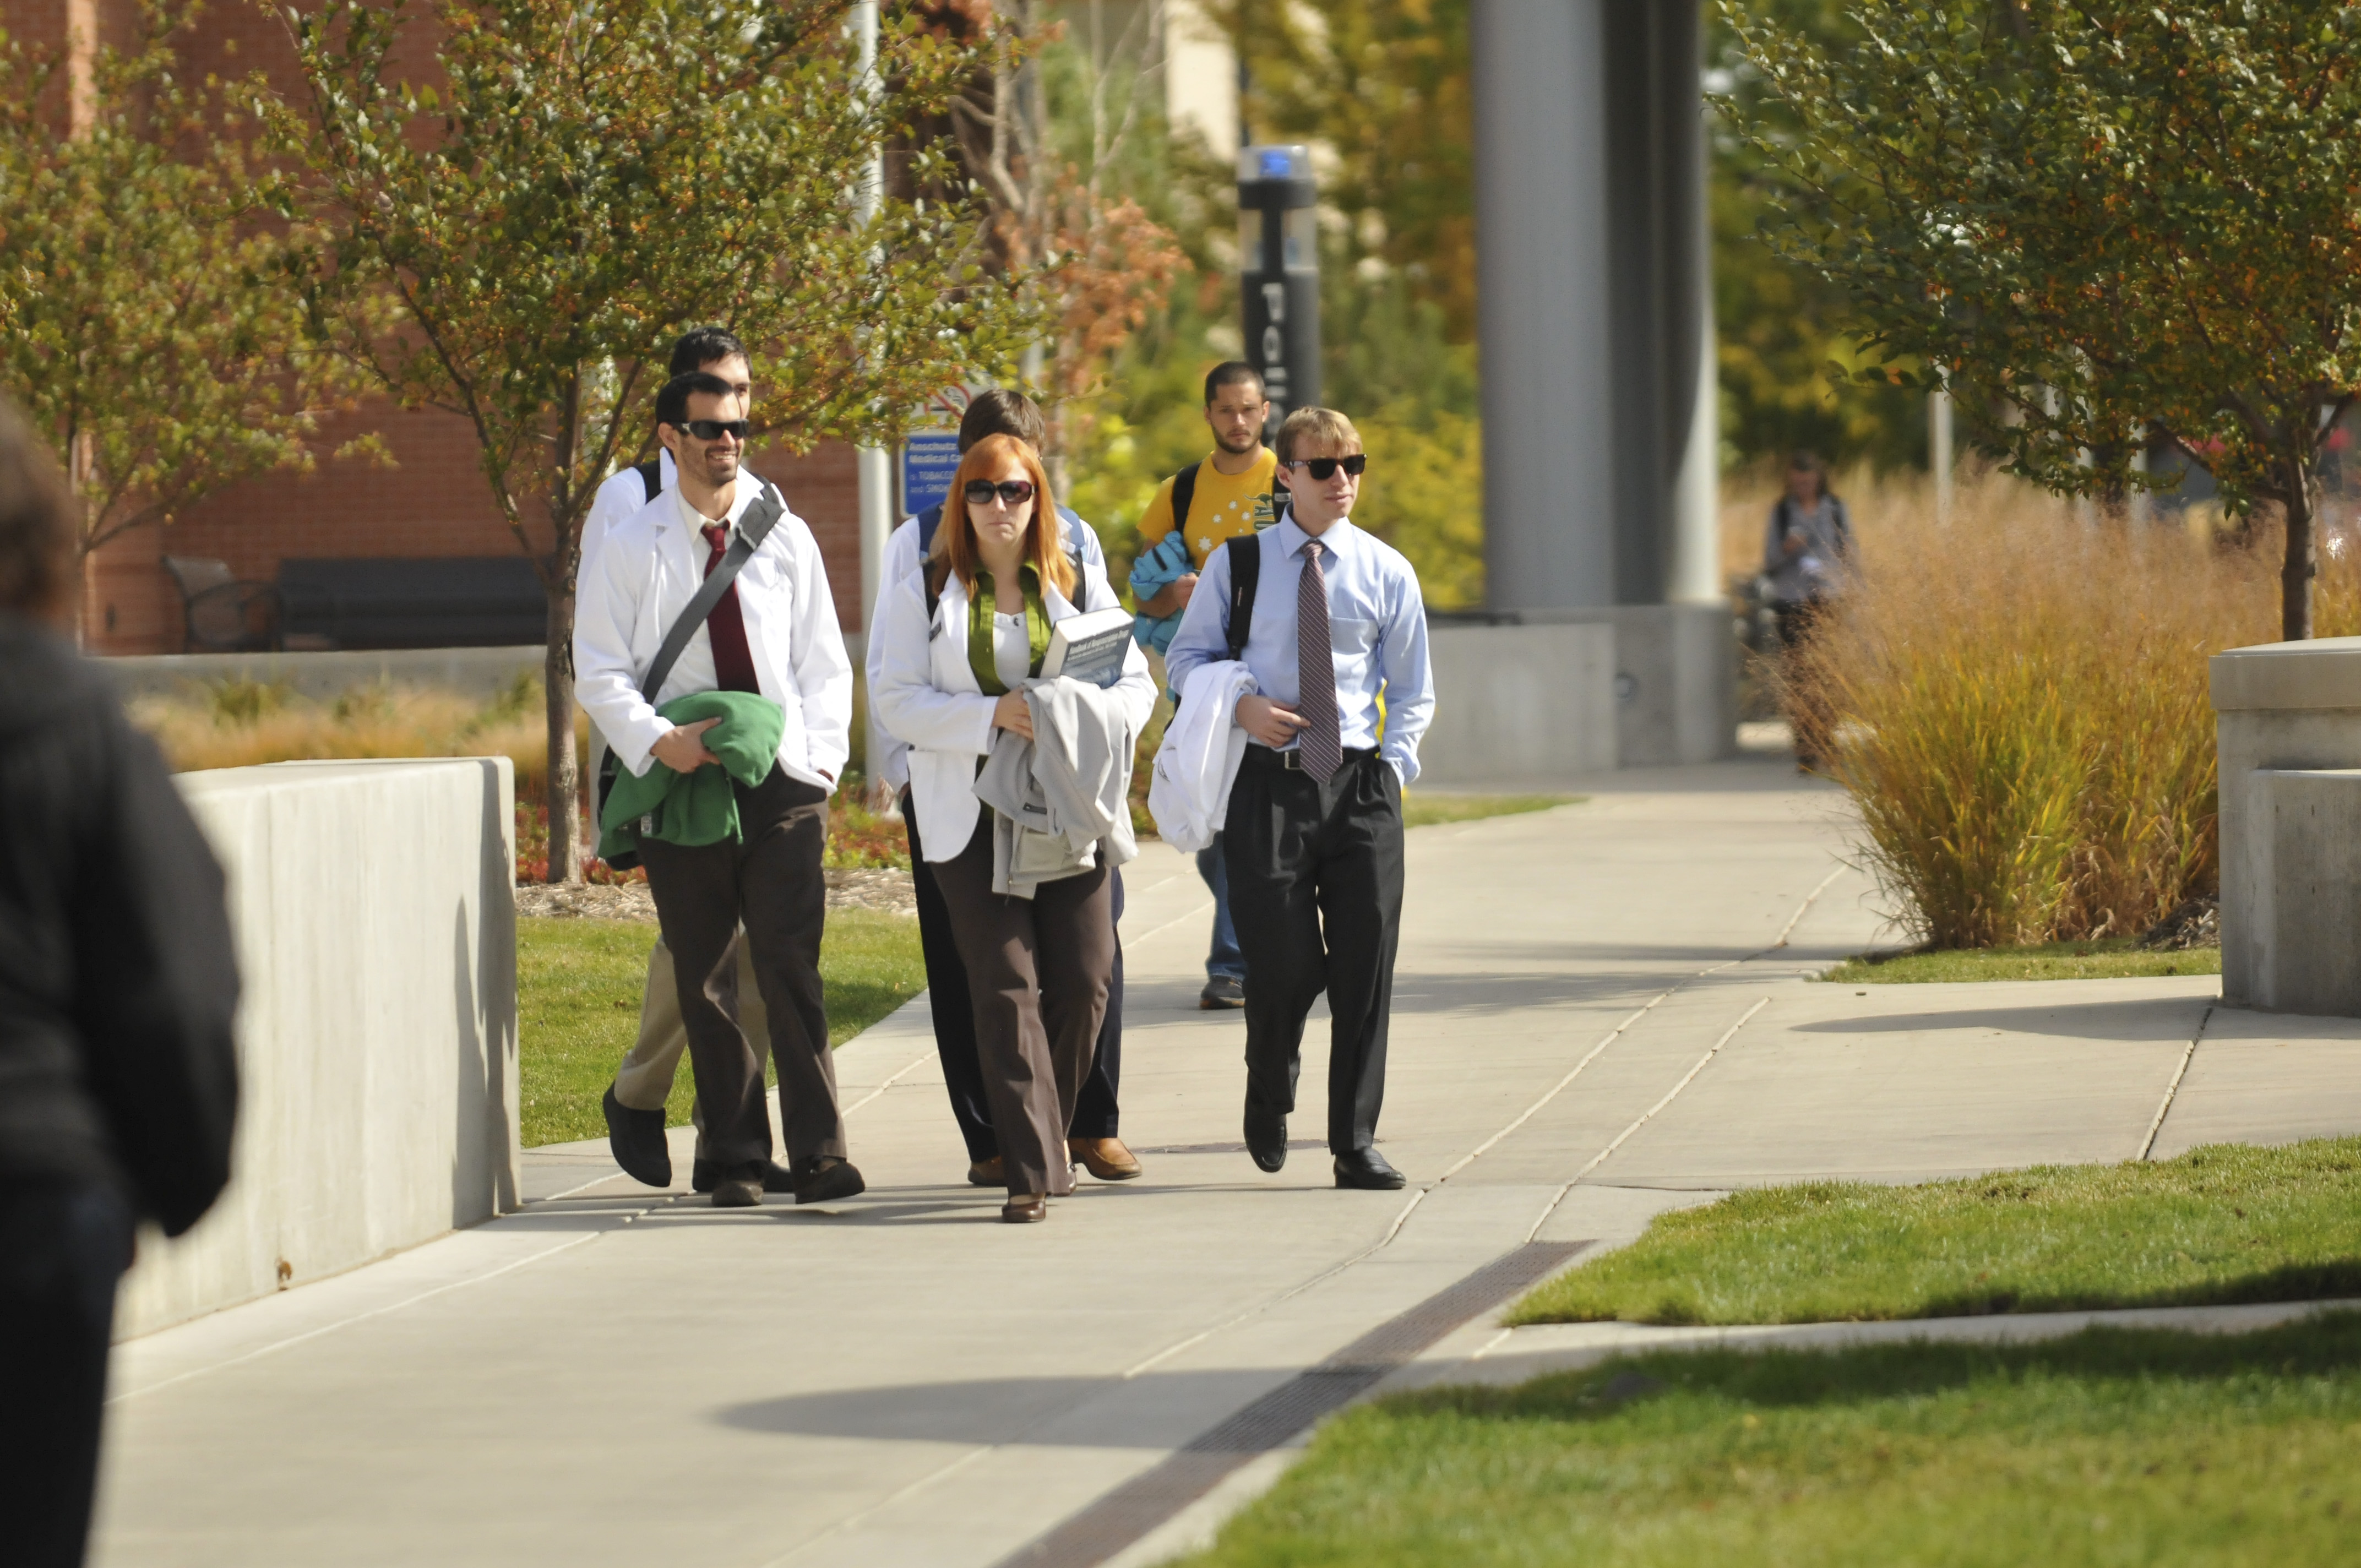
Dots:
(927, 695)
(1189, 793)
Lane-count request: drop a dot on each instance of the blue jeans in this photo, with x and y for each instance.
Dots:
(1225, 962)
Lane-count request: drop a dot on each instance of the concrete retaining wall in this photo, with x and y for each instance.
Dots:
(376, 928)
(1520, 705)
(2282, 710)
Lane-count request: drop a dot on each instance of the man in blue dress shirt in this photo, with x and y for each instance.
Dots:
(1314, 837)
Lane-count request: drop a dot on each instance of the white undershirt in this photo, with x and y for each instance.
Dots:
(1012, 651)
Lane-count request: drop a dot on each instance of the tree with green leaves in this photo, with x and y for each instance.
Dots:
(141, 329)
(2103, 225)
(583, 179)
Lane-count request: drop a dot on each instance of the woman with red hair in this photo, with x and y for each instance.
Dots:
(960, 637)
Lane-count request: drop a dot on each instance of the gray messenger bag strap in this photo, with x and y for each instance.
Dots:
(752, 529)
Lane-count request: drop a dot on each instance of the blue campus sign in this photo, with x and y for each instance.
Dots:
(928, 461)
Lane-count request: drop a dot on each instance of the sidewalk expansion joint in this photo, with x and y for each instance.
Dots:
(2147, 1145)
(1129, 1512)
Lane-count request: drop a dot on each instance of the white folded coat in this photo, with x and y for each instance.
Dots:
(927, 694)
(1189, 793)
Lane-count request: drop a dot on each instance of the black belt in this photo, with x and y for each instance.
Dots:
(1292, 760)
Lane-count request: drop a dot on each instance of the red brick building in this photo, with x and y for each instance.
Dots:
(433, 503)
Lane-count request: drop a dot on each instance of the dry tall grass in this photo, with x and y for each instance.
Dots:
(2016, 701)
(239, 724)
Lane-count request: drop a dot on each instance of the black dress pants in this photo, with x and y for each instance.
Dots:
(770, 879)
(1096, 1115)
(61, 1250)
(1316, 890)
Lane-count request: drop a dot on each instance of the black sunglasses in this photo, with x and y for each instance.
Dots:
(715, 429)
(1015, 492)
(1325, 469)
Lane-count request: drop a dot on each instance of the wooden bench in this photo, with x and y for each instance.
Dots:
(487, 601)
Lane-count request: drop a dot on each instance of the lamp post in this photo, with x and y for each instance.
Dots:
(1278, 274)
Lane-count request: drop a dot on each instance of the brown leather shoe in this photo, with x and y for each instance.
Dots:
(1026, 1209)
(987, 1173)
(1105, 1158)
(738, 1192)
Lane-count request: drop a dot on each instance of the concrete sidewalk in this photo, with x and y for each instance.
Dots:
(1596, 1019)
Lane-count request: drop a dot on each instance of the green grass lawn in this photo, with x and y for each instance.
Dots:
(578, 984)
(2111, 1448)
(2108, 958)
(2226, 1224)
(1426, 810)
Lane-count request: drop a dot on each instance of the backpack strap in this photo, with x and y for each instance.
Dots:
(1184, 491)
(651, 474)
(1245, 570)
(929, 520)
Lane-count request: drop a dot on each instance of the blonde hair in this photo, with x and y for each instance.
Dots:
(1325, 426)
(1044, 546)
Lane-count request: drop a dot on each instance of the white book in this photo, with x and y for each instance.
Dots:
(1089, 647)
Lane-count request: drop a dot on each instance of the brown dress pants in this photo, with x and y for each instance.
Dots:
(770, 880)
(1038, 972)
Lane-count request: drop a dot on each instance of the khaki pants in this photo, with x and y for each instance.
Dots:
(645, 1081)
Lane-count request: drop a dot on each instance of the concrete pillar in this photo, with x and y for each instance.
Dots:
(1544, 302)
(1601, 439)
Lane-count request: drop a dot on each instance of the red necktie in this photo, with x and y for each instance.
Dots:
(733, 662)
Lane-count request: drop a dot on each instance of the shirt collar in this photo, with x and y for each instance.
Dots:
(1337, 541)
(744, 490)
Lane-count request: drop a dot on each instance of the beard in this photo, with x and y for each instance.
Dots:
(1240, 445)
(721, 469)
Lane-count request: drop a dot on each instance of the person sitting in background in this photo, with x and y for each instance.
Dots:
(1806, 548)
(119, 1073)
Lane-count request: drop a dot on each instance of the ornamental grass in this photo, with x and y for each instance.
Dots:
(2016, 700)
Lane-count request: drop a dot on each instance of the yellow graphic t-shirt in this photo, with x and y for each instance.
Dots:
(1224, 506)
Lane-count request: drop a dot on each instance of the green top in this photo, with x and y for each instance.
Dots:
(982, 600)
(698, 807)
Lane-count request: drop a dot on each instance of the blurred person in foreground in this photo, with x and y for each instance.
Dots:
(1806, 552)
(118, 1080)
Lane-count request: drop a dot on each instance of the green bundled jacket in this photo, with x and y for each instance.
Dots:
(698, 807)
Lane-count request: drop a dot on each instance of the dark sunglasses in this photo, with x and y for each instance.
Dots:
(715, 429)
(1325, 469)
(1015, 492)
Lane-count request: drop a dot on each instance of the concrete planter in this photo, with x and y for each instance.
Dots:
(2288, 729)
(375, 928)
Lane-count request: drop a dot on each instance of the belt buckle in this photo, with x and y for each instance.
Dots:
(1291, 760)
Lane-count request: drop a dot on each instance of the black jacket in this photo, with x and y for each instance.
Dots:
(117, 981)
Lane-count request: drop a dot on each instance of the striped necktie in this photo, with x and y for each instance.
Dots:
(1315, 671)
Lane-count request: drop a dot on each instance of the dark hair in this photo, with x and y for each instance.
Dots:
(36, 522)
(1805, 461)
(672, 403)
(1230, 373)
(1000, 412)
(704, 345)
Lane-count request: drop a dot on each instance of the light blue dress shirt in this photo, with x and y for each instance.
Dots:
(1377, 626)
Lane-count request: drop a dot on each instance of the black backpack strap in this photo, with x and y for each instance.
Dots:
(1245, 570)
(651, 474)
(929, 520)
(752, 529)
(1184, 490)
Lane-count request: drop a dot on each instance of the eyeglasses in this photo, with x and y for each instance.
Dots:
(715, 429)
(1325, 469)
(1015, 492)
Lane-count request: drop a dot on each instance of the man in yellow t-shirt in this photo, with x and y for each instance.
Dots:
(1226, 495)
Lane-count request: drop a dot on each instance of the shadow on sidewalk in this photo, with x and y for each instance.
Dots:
(2146, 1020)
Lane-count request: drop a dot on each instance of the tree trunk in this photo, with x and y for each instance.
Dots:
(565, 793)
(2302, 562)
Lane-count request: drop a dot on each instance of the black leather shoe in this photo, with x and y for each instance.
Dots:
(738, 1191)
(776, 1177)
(827, 1178)
(636, 1139)
(1368, 1169)
(1267, 1139)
